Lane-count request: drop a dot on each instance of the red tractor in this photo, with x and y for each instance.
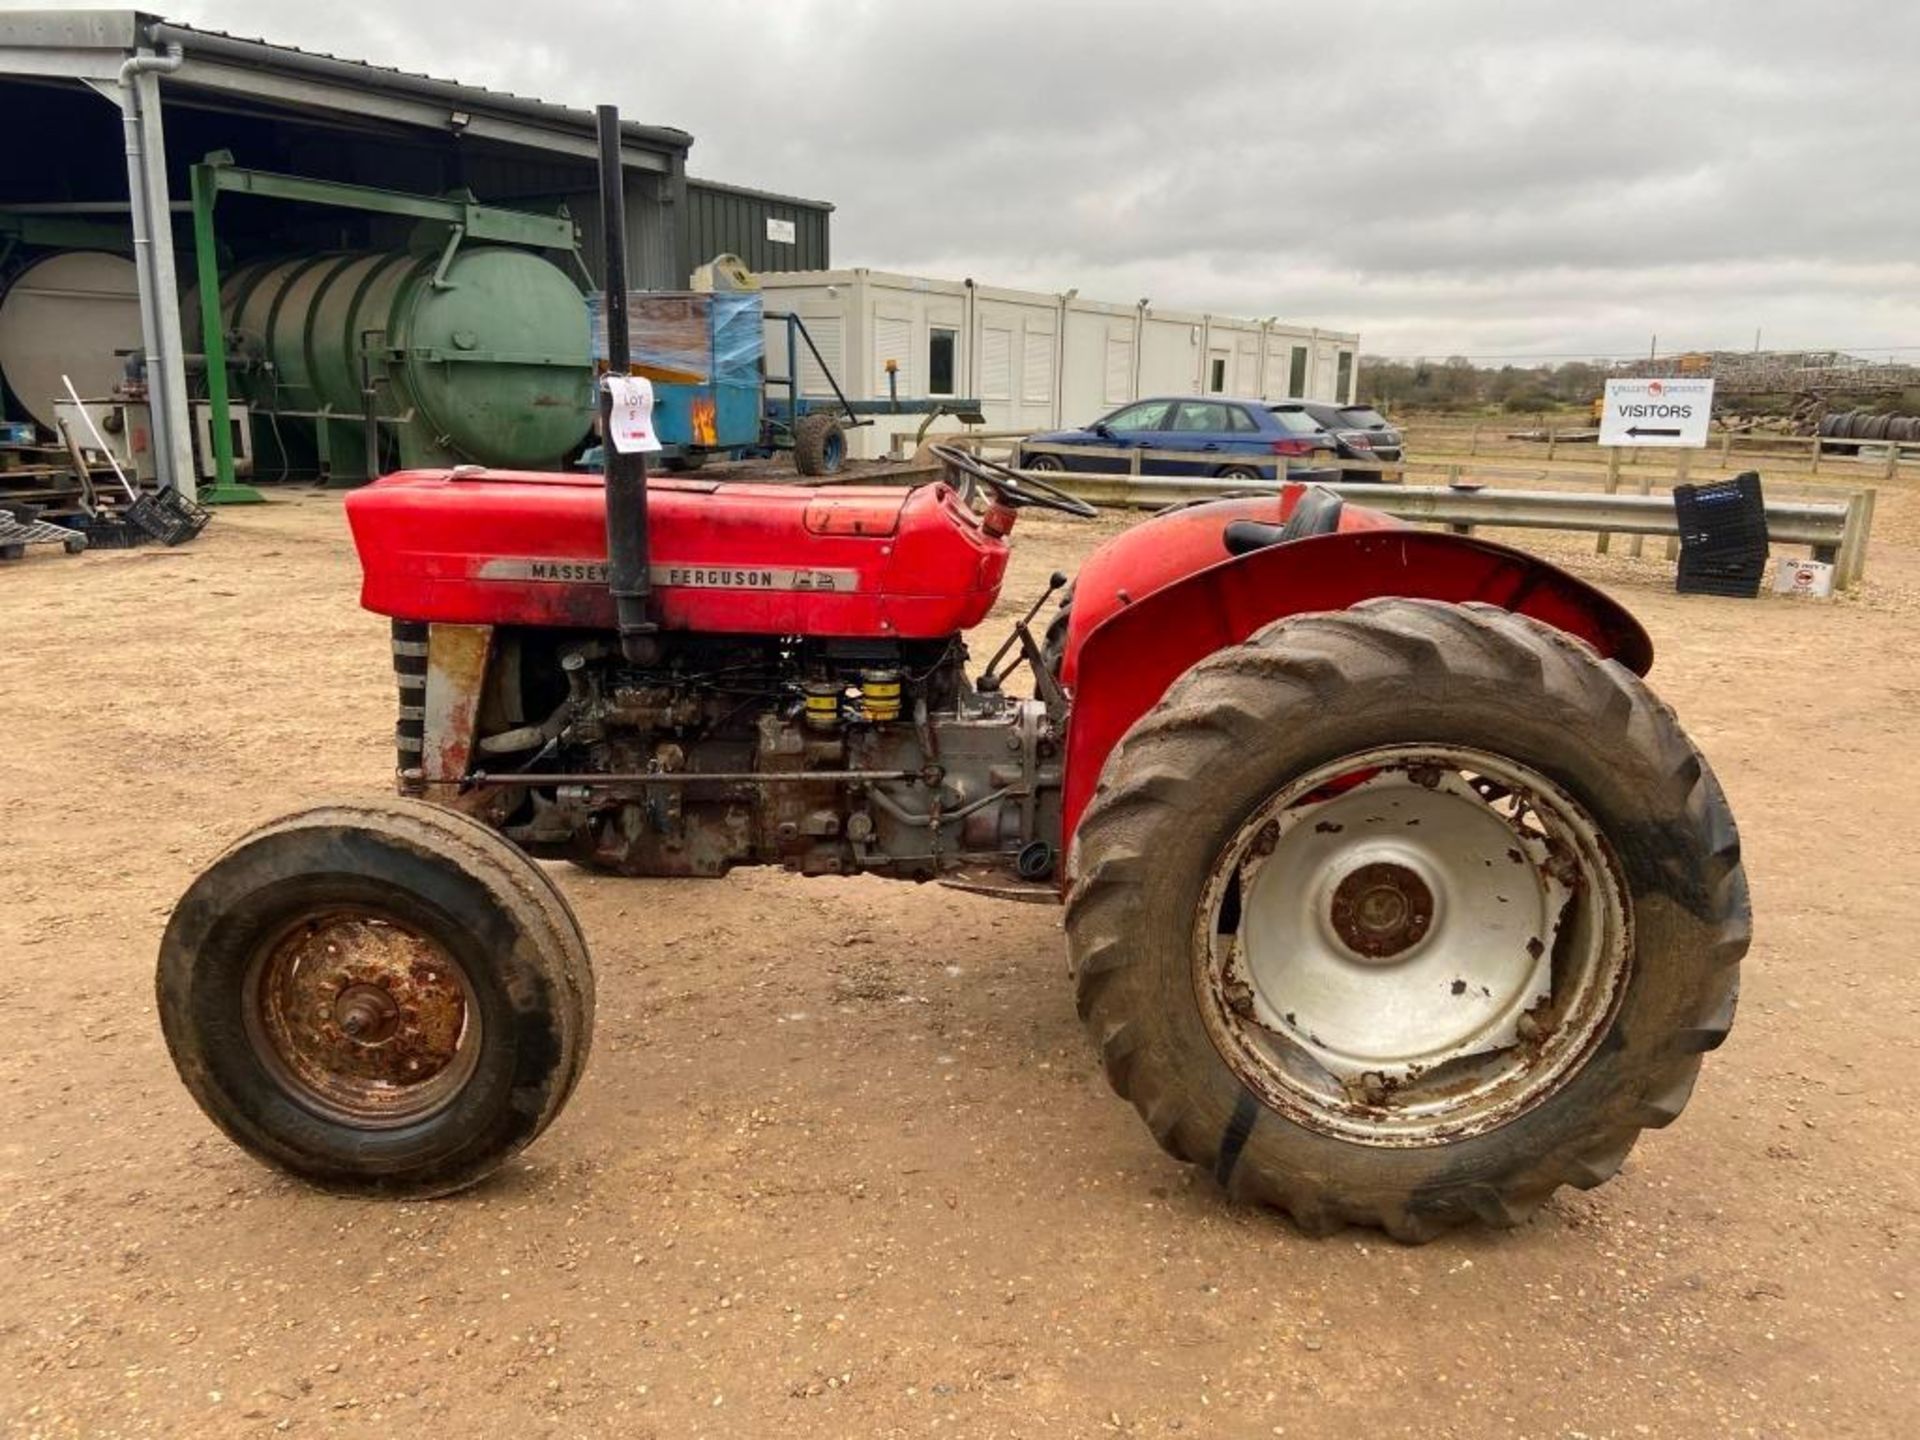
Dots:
(1393, 895)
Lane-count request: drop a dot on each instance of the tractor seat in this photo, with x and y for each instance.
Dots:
(1317, 512)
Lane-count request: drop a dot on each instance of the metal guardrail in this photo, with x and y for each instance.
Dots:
(1138, 457)
(903, 443)
(1143, 459)
(1836, 532)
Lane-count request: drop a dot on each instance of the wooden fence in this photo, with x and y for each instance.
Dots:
(1887, 457)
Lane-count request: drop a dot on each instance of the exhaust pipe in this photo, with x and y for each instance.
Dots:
(625, 474)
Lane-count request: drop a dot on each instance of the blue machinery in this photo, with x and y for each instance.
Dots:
(706, 356)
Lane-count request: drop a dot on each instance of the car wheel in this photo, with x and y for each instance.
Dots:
(1045, 464)
(1239, 472)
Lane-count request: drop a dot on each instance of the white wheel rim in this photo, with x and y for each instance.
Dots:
(1412, 945)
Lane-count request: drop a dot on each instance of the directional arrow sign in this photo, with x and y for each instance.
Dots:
(1657, 412)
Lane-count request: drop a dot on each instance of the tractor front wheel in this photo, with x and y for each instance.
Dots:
(1406, 916)
(382, 999)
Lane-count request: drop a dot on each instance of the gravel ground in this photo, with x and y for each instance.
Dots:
(843, 1163)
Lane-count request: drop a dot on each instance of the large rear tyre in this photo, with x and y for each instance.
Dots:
(383, 999)
(1406, 916)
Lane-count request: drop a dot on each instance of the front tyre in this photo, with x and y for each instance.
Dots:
(382, 999)
(1406, 916)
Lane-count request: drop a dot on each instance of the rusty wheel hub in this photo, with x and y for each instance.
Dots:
(366, 1014)
(363, 1019)
(1381, 910)
(1412, 944)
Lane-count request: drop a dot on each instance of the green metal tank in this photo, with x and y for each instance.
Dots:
(480, 359)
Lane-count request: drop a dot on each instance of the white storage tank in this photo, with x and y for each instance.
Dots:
(73, 313)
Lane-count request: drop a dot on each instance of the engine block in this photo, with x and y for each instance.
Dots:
(822, 756)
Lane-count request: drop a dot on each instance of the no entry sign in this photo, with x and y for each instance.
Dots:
(1656, 412)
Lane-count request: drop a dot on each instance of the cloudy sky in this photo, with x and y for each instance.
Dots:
(1446, 176)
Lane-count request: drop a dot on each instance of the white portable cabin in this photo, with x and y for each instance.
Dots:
(1035, 361)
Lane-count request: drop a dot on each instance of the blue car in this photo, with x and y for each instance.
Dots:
(1226, 440)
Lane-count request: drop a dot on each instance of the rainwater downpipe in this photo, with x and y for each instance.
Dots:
(971, 331)
(161, 417)
(1059, 416)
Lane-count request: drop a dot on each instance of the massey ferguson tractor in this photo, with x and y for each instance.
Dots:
(1393, 896)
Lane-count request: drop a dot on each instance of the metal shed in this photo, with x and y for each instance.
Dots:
(770, 232)
(108, 111)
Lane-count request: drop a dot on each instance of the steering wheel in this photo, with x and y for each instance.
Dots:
(1017, 490)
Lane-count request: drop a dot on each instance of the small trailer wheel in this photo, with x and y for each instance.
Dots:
(382, 999)
(819, 445)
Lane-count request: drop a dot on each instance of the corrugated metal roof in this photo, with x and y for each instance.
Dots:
(92, 28)
(480, 93)
(771, 197)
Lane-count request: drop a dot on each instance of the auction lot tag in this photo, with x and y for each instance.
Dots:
(631, 426)
(1657, 412)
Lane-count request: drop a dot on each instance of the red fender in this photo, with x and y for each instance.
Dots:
(1129, 659)
(1170, 547)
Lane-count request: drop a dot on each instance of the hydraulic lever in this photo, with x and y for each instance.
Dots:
(1022, 635)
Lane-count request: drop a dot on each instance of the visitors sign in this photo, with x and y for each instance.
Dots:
(1657, 412)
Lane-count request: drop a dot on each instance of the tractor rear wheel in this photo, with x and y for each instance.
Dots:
(383, 999)
(1406, 916)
